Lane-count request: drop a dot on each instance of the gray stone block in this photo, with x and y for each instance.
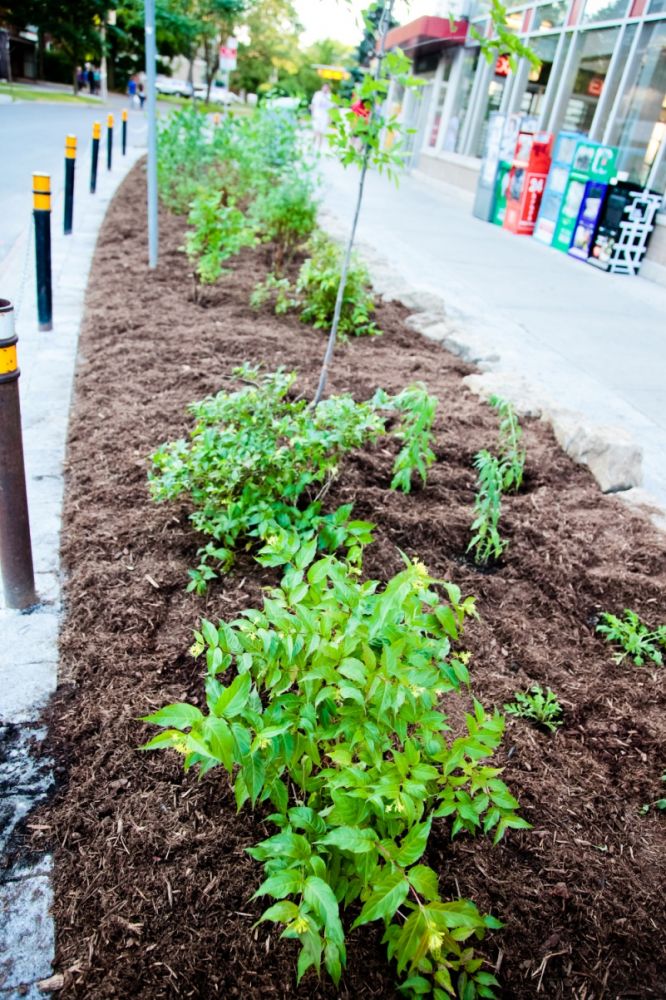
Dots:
(613, 458)
(26, 932)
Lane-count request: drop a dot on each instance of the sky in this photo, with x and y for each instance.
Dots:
(340, 19)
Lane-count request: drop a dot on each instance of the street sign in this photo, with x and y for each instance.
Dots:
(228, 53)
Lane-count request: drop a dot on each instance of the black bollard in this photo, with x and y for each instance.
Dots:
(109, 141)
(97, 131)
(15, 549)
(41, 202)
(124, 133)
(70, 162)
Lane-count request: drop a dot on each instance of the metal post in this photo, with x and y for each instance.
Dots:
(70, 163)
(124, 131)
(15, 549)
(151, 56)
(109, 141)
(96, 133)
(41, 203)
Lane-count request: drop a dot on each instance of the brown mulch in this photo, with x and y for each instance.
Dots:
(152, 884)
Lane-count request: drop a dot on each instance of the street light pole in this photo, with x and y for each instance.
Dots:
(151, 57)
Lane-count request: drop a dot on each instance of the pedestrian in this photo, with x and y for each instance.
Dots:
(141, 88)
(320, 109)
(90, 77)
(131, 91)
(97, 79)
(80, 79)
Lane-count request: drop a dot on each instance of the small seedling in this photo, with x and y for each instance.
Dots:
(512, 456)
(634, 637)
(486, 541)
(659, 804)
(544, 709)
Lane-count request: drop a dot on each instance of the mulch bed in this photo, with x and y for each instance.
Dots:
(152, 883)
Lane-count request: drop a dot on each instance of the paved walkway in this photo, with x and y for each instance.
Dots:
(29, 648)
(596, 342)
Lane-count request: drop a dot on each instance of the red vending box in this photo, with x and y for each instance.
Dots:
(527, 180)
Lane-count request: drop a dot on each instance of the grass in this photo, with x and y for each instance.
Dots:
(19, 92)
(209, 108)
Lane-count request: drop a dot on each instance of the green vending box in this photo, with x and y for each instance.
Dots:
(591, 162)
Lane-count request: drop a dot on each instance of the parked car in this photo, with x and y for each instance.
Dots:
(173, 88)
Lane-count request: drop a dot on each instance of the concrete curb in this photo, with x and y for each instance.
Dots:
(29, 653)
(613, 457)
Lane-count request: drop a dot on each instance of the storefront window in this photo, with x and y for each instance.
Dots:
(440, 97)
(537, 81)
(604, 10)
(657, 6)
(596, 50)
(550, 15)
(640, 126)
(493, 101)
(454, 130)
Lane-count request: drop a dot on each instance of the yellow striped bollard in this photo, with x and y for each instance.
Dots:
(15, 548)
(41, 205)
(70, 163)
(109, 141)
(124, 130)
(96, 135)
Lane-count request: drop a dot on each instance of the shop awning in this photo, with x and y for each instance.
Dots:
(426, 34)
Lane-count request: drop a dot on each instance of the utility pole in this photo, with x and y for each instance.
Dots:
(151, 57)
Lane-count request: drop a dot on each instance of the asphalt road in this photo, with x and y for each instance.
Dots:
(33, 139)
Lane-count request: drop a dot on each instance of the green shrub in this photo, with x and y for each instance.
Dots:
(544, 709)
(286, 213)
(255, 454)
(276, 290)
(634, 638)
(317, 287)
(184, 156)
(332, 712)
(219, 231)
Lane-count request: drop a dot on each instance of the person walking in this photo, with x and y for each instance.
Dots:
(131, 91)
(320, 110)
(90, 77)
(141, 88)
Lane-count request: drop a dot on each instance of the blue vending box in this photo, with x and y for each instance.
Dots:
(563, 155)
(588, 219)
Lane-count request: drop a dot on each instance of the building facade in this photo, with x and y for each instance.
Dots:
(602, 74)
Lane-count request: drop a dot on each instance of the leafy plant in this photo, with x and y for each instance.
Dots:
(286, 213)
(634, 637)
(184, 156)
(317, 287)
(418, 413)
(512, 456)
(486, 541)
(275, 290)
(332, 713)
(254, 454)
(536, 706)
(659, 804)
(219, 232)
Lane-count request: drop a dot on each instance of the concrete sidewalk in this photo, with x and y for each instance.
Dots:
(29, 647)
(592, 342)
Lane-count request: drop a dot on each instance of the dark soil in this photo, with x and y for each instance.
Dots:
(152, 883)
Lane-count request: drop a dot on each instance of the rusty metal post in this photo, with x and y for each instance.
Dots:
(124, 131)
(15, 548)
(70, 163)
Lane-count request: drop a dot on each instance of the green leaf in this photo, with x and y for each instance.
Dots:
(386, 897)
(283, 912)
(210, 633)
(233, 699)
(285, 883)
(350, 838)
(414, 844)
(322, 899)
(425, 882)
(177, 716)
(220, 740)
(254, 772)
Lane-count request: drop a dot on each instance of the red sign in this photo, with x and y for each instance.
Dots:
(527, 180)
(595, 86)
(502, 66)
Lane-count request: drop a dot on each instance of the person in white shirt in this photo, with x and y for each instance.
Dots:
(320, 108)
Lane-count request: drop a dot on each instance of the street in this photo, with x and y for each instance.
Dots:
(33, 139)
